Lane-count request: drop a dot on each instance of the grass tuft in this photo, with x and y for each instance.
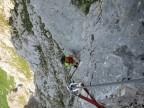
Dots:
(6, 84)
(16, 7)
(60, 99)
(17, 61)
(4, 24)
(83, 5)
(43, 61)
(25, 18)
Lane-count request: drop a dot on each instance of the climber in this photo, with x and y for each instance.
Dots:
(70, 60)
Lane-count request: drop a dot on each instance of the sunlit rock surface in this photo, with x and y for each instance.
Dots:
(109, 42)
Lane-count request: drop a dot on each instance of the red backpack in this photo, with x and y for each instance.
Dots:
(69, 59)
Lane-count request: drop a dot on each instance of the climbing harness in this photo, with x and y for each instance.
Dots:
(75, 91)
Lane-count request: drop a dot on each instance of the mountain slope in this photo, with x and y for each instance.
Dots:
(108, 41)
(16, 77)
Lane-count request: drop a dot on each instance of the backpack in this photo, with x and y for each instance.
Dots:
(69, 59)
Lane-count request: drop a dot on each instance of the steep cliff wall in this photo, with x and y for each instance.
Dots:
(35, 43)
(109, 41)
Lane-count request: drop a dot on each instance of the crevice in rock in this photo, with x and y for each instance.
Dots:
(127, 56)
(140, 57)
(100, 12)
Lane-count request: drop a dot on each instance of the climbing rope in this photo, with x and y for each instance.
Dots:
(114, 83)
(70, 76)
(74, 88)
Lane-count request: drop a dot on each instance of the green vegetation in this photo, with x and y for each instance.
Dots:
(58, 81)
(83, 5)
(4, 24)
(21, 65)
(43, 61)
(44, 32)
(16, 7)
(42, 27)
(22, 100)
(71, 101)
(12, 1)
(17, 61)
(6, 84)
(10, 21)
(12, 58)
(15, 31)
(25, 18)
(60, 99)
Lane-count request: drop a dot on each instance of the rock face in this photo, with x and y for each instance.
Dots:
(109, 41)
(32, 103)
(125, 96)
(35, 43)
